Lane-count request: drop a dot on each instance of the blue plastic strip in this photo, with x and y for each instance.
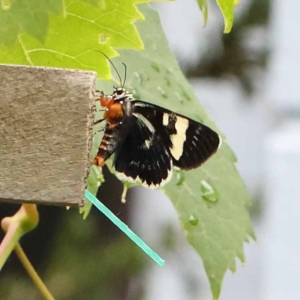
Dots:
(124, 228)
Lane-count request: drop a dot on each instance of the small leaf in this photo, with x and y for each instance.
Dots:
(203, 5)
(227, 9)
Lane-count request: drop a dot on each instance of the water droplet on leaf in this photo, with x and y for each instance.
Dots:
(185, 95)
(102, 38)
(208, 192)
(179, 177)
(162, 92)
(168, 82)
(193, 220)
(137, 77)
(136, 94)
(155, 67)
(178, 96)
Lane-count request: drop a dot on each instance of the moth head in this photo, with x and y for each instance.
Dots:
(119, 92)
(120, 95)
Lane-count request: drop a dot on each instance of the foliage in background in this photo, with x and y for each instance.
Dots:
(66, 33)
(240, 56)
(77, 260)
(203, 5)
(210, 201)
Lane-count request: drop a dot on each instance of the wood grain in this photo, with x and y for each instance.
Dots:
(45, 134)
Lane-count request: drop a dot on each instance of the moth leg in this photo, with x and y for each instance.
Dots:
(100, 130)
(98, 121)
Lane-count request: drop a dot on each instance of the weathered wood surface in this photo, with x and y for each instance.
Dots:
(45, 134)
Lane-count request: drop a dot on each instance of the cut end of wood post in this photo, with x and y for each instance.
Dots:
(45, 134)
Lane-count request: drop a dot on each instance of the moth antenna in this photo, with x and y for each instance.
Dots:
(112, 65)
(125, 74)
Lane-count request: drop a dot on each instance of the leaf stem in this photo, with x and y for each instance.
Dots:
(8, 243)
(32, 273)
(23, 221)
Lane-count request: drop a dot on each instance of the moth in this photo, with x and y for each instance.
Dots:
(148, 141)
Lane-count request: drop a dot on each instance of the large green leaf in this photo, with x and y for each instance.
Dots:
(211, 200)
(66, 33)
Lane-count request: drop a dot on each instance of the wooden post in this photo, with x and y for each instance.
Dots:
(45, 134)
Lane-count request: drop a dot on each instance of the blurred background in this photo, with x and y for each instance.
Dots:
(248, 82)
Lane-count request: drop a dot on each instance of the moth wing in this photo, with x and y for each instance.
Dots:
(199, 144)
(190, 143)
(143, 156)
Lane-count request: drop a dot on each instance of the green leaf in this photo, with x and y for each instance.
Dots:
(70, 35)
(31, 17)
(95, 179)
(203, 5)
(211, 200)
(227, 9)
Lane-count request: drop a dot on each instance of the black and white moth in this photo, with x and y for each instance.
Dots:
(148, 141)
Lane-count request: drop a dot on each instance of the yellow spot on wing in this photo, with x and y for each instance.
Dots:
(165, 119)
(179, 138)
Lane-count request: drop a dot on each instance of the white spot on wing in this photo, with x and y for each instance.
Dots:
(220, 143)
(179, 138)
(141, 104)
(147, 144)
(165, 119)
(137, 180)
